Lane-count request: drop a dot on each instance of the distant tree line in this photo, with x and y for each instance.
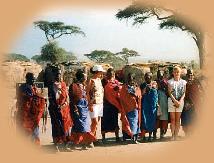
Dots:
(117, 60)
(51, 52)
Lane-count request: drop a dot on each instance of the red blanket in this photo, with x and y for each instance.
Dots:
(112, 93)
(30, 110)
(65, 111)
(129, 102)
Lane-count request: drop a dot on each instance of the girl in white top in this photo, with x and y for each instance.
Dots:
(95, 94)
(176, 90)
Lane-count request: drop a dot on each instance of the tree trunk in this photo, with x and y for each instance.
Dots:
(200, 44)
(201, 51)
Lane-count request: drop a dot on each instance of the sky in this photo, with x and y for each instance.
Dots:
(105, 32)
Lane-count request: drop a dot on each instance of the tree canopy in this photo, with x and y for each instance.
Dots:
(140, 12)
(51, 52)
(37, 58)
(99, 56)
(126, 53)
(117, 60)
(54, 30)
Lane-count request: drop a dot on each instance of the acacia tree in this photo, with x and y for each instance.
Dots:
(104, 56)
(169, 19)
(99, 56)
(37, 58)
(126, 53)
(54, 30)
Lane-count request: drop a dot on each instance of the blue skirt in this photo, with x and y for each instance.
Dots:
(132, 117)
(163, 102)
(81, 122)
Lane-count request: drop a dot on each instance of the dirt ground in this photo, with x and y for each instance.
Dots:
(111, 147)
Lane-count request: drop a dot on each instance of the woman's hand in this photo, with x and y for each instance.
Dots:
(169, 89)
(76, 113)
(143, 91)
(177, 104)
(90, 108)
(62, 106)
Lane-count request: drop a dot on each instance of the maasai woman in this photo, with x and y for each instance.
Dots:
(95, 93)
(111, 106)
(163, 103)
(59, 111)
(81, 131)
(130, 98)
(30, 108)
(149, 105)
(191, 102)
(176, 91)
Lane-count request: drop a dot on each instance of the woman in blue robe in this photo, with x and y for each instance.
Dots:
(149, 105)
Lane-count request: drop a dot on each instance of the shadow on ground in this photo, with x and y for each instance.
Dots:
(110, 142)
(49, 148)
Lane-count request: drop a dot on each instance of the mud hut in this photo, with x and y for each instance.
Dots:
(69, 70)
(138, 69)
(15, 71)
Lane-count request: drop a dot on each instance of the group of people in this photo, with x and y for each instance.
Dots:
(76, 110)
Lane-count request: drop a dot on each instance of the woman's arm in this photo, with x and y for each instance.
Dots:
(121, 99)
(73, 102)
(143, 89)
(171, 96)
(88, 91)
(183, 96)
(64, 97)
(71, 94)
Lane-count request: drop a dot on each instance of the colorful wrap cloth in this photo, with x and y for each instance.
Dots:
(59, 111)
(111, 105)
(30, 110)
(130, 110)
(149, 108)
(81, 131)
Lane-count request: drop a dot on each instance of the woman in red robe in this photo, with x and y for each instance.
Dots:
(130, 98)
(30, 108)
(111, 105)
(59, 111)
(81, 131)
